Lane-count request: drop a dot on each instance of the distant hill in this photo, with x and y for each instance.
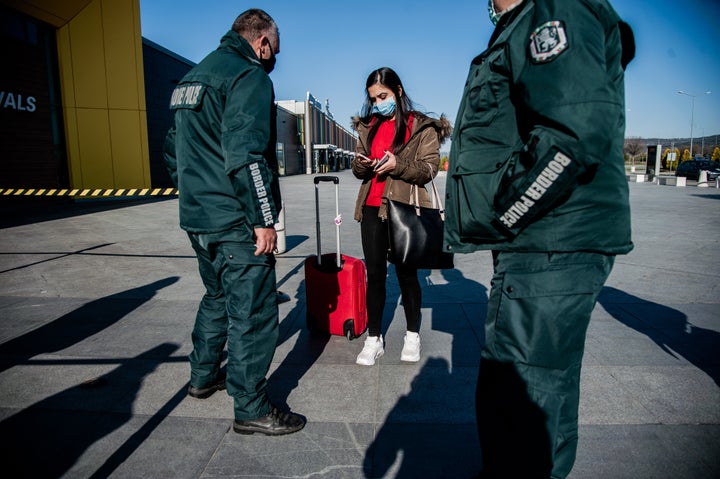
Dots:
(708, 142)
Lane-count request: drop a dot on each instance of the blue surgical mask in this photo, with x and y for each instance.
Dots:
(494, 16)
(384, 108)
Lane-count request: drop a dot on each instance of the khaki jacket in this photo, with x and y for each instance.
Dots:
(417, 162)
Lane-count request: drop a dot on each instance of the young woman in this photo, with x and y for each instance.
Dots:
(398, 147)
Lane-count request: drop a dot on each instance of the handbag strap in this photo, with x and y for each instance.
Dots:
(436, 198)
(436, 202)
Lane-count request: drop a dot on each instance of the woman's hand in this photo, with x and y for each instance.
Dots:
(389, 165)
(365, 161)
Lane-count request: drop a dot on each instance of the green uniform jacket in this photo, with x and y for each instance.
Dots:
(220, 151)
(537, 153)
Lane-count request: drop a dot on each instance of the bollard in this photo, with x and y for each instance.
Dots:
(702, 179)
(280, 228)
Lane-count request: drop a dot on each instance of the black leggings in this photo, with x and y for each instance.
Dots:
(374, 234)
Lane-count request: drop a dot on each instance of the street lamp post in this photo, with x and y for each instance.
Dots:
(692, 118)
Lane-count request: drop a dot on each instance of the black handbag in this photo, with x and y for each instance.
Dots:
(416, 233)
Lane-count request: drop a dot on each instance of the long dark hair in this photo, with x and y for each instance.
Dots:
(404, 106)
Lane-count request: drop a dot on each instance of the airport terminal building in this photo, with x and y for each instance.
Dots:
(84, 102)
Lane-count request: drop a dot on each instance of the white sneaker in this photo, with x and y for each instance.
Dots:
(411, 348)
(372, 350)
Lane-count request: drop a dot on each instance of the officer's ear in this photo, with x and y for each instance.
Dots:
(274, 49)
(255, 45)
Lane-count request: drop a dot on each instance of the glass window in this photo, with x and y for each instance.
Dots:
(280, 154)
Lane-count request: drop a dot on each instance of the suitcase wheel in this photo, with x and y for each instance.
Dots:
(349, 329)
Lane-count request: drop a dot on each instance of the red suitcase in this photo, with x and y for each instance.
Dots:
(335, 284)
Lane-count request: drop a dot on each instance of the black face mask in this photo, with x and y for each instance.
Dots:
(268, 64)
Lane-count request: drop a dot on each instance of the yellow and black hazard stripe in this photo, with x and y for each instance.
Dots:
(89, 192)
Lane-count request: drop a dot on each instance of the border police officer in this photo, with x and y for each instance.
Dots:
(537, 176)
(220, 152)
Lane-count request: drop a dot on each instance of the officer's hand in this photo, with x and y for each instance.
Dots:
(265, 240)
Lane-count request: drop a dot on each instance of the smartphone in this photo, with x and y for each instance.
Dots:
(382, 161)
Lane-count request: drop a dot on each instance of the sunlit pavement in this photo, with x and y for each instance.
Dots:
(97, 301)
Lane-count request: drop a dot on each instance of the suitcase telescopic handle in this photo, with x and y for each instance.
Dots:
(336, 181)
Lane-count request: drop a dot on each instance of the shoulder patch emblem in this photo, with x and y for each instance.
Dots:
(187, 96)
(548, 41)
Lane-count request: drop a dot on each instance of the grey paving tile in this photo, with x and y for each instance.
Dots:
(58, 381)
(423, 450)
(73, 444)
(632, 348)
(647, 452)
(648, 394)
(29, 313)
(95, 318)
(682, 395)
(320, 449)
(428, 392)
(605, 400)
(326, 392)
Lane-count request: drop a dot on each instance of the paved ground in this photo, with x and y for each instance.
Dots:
(97, 301)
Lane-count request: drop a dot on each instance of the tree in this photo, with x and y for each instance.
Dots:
(670, 164)
(633, 147)
(686, 155)
(716, 154)
(444, 163)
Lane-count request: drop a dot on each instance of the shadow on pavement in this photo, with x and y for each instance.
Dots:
(431, 431)
(466, 347)
(47, 438)
(308, 347)
(77, 325)
(712, 197)
(293, 241)
(411, 445)
(667, 327)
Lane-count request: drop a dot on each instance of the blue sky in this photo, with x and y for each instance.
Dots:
(329, 48)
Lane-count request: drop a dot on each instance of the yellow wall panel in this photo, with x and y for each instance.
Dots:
(139, 59)
(127, 151)
(67, 91)
(95, 155)
(102, 84)
(144, 146)
(72, 145)
(119, 38)
(88, 58)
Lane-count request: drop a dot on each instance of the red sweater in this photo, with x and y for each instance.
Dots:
(382, 141)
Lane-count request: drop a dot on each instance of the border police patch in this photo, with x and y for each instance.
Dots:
(187, 96)
(548, 41)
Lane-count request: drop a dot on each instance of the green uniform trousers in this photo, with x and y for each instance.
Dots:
(239, 307)
(529, 380)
